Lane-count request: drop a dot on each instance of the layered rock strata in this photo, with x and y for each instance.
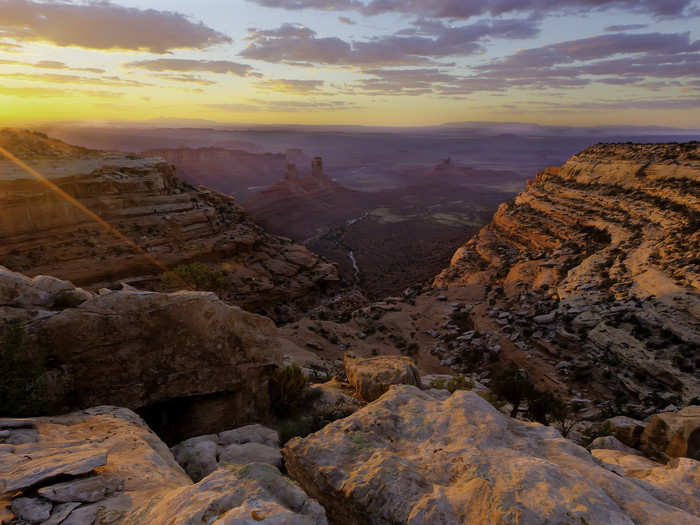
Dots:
(595, 265)
(171, 221)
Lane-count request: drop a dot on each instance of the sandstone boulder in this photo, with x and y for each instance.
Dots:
(412, 458)
(373, 376)
(673, 435)
(627, 429)
(190, 362)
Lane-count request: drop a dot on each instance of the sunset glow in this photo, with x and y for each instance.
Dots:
(351, 62)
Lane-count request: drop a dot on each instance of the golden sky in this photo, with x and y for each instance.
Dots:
(368, 62)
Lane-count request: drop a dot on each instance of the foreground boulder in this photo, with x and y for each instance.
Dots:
(189, 362)
(373, 376)
(104, 465)
(673, 435)
(410, 458)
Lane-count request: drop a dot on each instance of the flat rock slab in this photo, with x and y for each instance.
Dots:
(86, 490)
(43, 465)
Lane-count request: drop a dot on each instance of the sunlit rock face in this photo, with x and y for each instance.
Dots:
(596, 263)
(41, 232)
(412, 458)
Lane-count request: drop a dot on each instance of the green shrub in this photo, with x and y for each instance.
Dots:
(604, 430)
(512, 385)
(289, 391)
(199, 276)
(493, 399)
(459, 383)
(543, 406)
(439, 383)
(23, 389)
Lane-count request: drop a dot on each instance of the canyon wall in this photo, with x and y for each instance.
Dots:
(173, 222)
(594, 269)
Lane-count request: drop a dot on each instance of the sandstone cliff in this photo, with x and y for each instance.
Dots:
(42, 233)
(592, 274)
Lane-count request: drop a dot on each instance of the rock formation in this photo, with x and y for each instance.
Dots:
(372, 377)
(189, 362)
(173, 222)
(411, 458)
(673, 435)
(104, 465)
(296, 204)
(591, 274)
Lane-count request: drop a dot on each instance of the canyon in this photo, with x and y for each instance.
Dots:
(161, 222)
(383, 410)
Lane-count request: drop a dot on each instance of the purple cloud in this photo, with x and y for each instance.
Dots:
(463, 9)
(422, 45)
(184, 65)
(103, 25)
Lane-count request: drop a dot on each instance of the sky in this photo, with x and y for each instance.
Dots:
(351, 62)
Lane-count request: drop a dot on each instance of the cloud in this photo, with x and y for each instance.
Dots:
(651, 61)
(421, 45)
(188, 65)
(628, 27)
(41, 92)
(346, 20)
(60, 78)
(403, 81)
(292, 86)
(284, 106)
(680, 103)
(103, 25)
(623, 59)
(52, 64)
(10, 47)
(464, 9)
(190, 79)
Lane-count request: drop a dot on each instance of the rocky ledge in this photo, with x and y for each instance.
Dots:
(141, 197)
(104, 465)
(592, 278)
